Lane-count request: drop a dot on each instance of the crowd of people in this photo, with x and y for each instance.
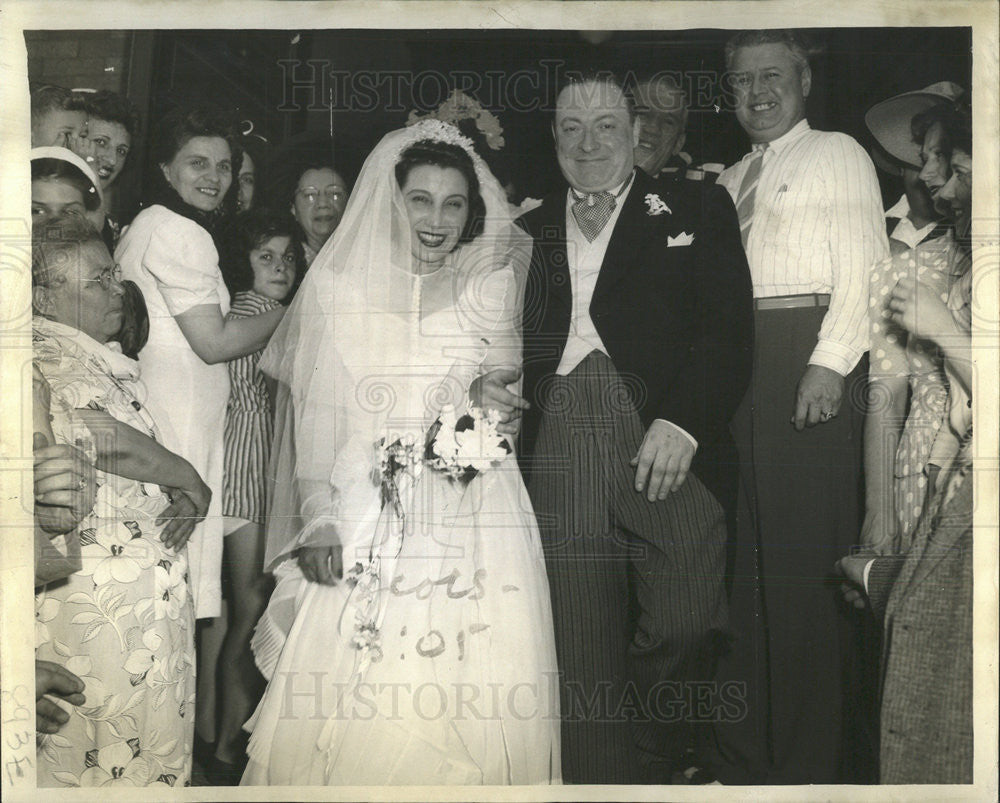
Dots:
(497, 494)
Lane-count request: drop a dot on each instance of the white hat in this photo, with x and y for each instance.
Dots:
(66, 155)
(889, 121)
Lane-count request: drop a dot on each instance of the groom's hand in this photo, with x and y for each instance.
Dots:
(489, 392)
(663, 461)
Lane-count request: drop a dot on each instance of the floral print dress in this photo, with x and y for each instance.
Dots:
(125, 623)
(925, 437)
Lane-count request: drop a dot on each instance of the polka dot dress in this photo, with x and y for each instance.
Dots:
(895, 354)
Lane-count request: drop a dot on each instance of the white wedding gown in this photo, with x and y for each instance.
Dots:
(465, 690)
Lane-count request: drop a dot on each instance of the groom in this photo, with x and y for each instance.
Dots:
(637, 334)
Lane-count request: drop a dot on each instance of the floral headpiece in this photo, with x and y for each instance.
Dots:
(432, 128)
(460, 106)
(439, 131)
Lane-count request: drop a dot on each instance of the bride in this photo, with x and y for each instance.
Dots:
(409, 637)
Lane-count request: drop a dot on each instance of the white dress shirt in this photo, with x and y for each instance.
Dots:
(817, 228)
(585, 259)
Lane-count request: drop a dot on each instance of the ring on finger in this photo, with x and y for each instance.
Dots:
(826, 415)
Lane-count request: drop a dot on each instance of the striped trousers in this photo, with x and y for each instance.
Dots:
(637, 586)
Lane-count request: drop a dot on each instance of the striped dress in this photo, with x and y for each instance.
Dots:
(249, 425)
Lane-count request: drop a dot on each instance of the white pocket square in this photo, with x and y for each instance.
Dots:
(681, 239)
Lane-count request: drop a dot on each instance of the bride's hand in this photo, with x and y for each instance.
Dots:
(321, 564)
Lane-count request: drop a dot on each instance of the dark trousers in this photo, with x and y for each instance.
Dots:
(808, 715)
(637, 587)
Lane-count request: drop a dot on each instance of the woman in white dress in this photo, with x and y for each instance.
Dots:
(168, 251)
(409, 638)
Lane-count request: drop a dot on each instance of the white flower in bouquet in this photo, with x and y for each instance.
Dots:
(480, 446)
(445, 445)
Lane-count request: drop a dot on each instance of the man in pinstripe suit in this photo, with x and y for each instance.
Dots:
(637, 329)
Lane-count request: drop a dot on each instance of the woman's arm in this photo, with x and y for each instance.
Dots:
(216, 339)
(883, 426)
(127, 452)
(917, 308)
(888, 391)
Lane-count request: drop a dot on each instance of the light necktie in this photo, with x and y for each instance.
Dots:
(748, 189)
(592, 212)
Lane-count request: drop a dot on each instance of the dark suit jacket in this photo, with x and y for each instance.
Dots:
(677, 321)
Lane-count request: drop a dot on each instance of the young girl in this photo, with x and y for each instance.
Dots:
(262, 269)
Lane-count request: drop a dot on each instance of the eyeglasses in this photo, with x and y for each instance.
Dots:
(106, 277)
(311, 194)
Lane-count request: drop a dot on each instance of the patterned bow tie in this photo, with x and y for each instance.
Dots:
(592, 212)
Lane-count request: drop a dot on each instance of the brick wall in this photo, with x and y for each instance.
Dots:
(78, 59)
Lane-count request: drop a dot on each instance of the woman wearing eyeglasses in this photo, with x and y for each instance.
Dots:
(168, 251)
(124, 623)
(318, 203)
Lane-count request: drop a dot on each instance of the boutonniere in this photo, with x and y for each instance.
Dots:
(655, 205)
(681, 239)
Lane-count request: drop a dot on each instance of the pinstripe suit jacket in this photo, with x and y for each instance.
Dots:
(677, 321)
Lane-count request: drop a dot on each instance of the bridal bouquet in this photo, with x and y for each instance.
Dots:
(458, 446)
(394, 459)
(462, 447)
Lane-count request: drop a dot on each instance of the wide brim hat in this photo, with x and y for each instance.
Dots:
(888, 163)
(66, 155)
(889, 121)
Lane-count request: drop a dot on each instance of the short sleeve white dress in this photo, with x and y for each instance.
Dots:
(174, 262)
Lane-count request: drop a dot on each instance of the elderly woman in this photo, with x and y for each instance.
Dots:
(168, 251)
(317, 204)
(63, 183)
(907, 438)
(124, 624)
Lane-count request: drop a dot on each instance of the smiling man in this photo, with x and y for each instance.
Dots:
(810, 216)
(637, 329)
(662, 115)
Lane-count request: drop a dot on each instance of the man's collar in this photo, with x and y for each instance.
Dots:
(792, 134)
(617, 191)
